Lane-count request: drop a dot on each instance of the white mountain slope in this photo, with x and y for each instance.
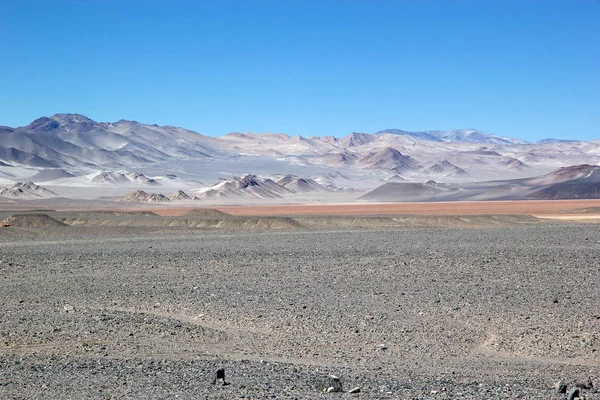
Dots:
(120, 177)
(279, 143)
(77, 142)
(51, 175)
(56, 148)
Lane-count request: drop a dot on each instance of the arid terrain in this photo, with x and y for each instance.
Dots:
(445, 304)
(523, 207)
(299, 200)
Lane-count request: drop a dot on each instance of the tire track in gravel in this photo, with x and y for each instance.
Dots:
(193, 320)
(234, 336)
(485, 348)
(240, 336)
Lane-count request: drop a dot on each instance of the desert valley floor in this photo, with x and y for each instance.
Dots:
(455, 300)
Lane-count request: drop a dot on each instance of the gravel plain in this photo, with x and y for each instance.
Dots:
(109, 312)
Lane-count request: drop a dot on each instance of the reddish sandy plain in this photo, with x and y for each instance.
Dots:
(560, 209)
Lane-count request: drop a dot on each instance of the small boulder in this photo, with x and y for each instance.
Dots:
(219, 375)
(560, 387)
(573, 394)
(335, 384)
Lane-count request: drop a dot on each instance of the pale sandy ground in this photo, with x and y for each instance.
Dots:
(569, 217)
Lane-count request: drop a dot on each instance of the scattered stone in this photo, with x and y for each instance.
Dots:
(573, 394)
(355, 390)
(560, 387)
(335, 384)
(382, 347)
(219, 375)
(68, 308)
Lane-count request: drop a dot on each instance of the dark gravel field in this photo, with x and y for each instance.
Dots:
(98, 312)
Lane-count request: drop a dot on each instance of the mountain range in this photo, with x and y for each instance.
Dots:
(71, 151)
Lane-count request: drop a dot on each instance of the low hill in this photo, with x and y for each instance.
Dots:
(206, 212)
(443, 168)
(140, 196)
(585, 187)
(301, 185)
(246, 186)
(31, 220)
(408, 191)
(564, 174)
(389, 158)
(26, 190)
(180, 195)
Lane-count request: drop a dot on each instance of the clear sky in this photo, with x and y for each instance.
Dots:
(523, 68)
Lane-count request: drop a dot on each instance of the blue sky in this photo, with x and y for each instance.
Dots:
(527, 68)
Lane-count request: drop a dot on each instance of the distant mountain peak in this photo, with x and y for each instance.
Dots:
(248, 180)
(180, 195)
(63, 122)
(71, 118)
(357, 139)
(457, 135)
(43, 123)
(388, 158)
